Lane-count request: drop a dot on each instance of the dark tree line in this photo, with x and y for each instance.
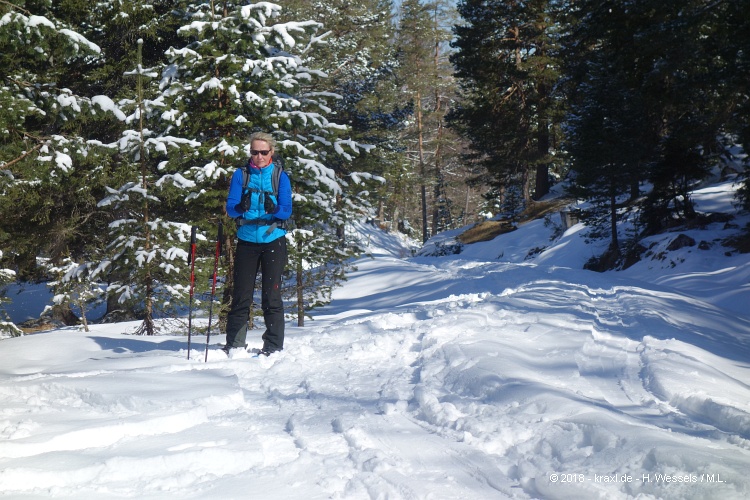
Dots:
(638, 100)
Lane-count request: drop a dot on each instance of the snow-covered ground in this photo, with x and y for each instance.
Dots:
(469, 376)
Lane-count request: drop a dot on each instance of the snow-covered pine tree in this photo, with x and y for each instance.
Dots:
(75, 284)
(150, 233)
(50, 169)
(361, 62)
(237, 73)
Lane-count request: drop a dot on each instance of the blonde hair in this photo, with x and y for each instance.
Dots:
(262, 136)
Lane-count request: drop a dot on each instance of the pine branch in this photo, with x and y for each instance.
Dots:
(14, 6)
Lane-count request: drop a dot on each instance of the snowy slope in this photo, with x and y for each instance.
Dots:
(469, 376)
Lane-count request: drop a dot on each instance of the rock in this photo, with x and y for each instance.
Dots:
(681, 241)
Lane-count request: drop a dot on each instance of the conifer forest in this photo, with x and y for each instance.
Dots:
(122, 121)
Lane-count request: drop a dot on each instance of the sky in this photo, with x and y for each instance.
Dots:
(489, 374)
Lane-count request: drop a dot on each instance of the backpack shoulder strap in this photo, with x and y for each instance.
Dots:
(278, 167)
(245, 176)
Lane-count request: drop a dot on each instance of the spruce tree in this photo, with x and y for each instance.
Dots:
(606, 138)
(689, 102)
(506, 63)
(76, 284)
(128, 30)
(51, 168)
(149, 234)
(237, 72)
(361, 66)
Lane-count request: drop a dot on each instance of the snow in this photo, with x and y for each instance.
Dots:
(108, 104)
(487, 374)
(78, 40)
(63, 161)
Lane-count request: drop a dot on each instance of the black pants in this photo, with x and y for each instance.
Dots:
(270, 258)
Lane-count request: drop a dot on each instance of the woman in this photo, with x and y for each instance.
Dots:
(260, 211)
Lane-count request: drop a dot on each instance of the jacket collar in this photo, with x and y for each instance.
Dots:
(250, 164)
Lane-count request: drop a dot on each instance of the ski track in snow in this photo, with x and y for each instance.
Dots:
(424, 394)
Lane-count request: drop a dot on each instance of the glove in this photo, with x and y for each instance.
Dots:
(244, 204)
(268, 205)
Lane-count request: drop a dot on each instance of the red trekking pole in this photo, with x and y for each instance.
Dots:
(219, 239)
(191, 263)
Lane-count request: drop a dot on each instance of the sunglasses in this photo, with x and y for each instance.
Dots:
(255, 152)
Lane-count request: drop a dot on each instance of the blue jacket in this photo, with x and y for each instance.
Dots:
(259, 182)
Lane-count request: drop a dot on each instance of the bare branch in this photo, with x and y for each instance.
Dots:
(27, 153)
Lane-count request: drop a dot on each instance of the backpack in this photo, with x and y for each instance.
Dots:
(278, 167)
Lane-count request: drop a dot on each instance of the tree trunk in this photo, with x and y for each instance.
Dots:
(147, 326)
(466, 204)
(542, 170)
(439, 187)
(422, 169)
(615, 245)
(300, 288)
(226, 296)
(526, 182)
(439, 190)
(84, 321)
(542, 181)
